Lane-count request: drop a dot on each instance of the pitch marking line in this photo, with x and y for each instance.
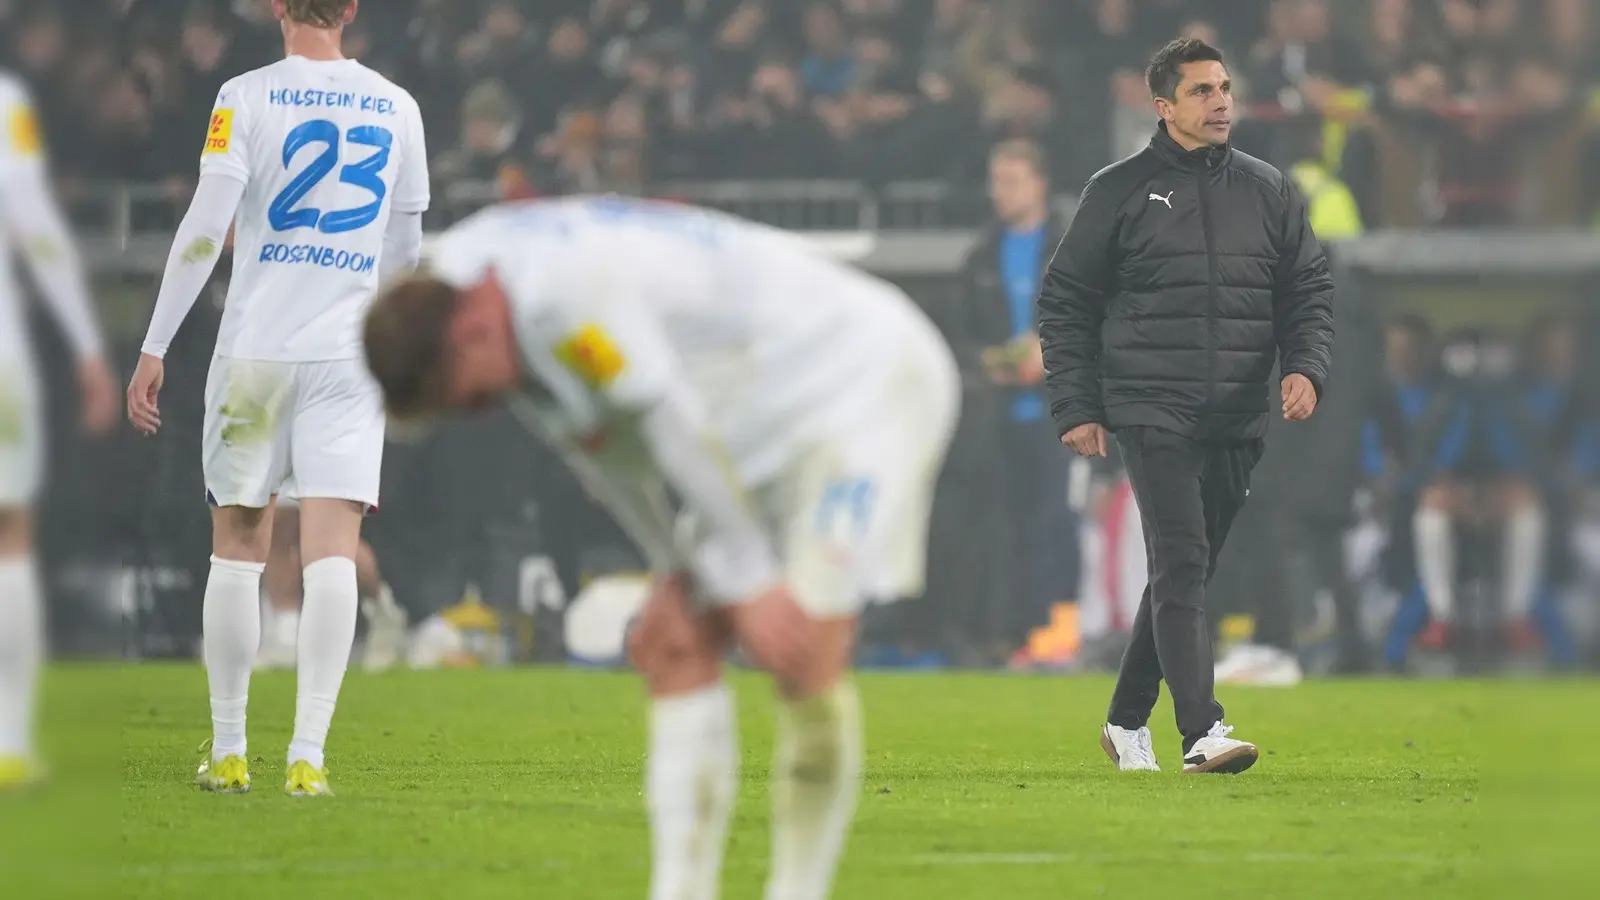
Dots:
(1047, 859)
(359, 866)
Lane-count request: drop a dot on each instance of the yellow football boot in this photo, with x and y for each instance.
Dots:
(305, 780)
(228, 775)
(18, 772)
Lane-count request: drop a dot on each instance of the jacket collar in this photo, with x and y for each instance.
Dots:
(1203, 158)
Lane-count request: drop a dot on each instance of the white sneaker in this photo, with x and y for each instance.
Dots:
(1130, 749)
(1216, 752)
(386, 630)
(1259, 666)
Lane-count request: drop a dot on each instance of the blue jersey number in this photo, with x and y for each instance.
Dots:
(284, 215)
(847, 502)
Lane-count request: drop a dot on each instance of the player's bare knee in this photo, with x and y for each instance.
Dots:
(241, 533)
(368, 577)
(16, 532)
(833, 643)
(675, 651)
(1437, 496)
(330, 528)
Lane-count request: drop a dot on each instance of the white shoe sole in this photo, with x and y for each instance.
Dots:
(1232, 762)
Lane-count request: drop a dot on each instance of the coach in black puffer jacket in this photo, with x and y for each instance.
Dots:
(1185, 274)
(1188, 271)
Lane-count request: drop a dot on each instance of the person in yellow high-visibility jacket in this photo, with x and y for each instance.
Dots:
(1333, 209)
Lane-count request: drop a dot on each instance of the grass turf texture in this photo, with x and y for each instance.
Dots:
(527, 783)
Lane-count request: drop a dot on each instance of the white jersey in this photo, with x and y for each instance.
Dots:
(326, 150)
(619, 301)
(33, 226)
(21, 157)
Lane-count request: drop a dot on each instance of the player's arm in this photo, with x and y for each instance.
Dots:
(402, 242)
(193, 257)
(618, 349)
(224, 174)
(31, 213)
(634, 495)
(402, 245)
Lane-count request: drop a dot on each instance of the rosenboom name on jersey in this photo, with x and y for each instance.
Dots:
(314, 255)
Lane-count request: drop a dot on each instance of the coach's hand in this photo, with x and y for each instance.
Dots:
(1086, 440)
(1299, 397)
(143, 392)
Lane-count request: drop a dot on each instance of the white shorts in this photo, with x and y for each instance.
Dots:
(310, 429)
(22, 435)
(850, 519)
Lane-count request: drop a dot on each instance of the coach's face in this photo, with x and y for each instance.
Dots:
(1201, 111)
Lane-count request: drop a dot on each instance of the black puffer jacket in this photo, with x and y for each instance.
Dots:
(1183, 275)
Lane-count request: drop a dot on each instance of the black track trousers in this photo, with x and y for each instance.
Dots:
(1188, 495)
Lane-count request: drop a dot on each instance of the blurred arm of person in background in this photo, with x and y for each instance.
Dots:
(40, 233)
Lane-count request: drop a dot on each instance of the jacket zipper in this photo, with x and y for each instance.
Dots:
(1211, 284)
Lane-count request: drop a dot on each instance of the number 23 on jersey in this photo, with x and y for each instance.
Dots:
(286, 213)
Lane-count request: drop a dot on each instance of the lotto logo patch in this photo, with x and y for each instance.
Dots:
(590, 353)
(220, 134)
(24, 129)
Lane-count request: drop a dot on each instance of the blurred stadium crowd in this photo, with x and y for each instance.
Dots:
(1451, 498)
(1462, 112)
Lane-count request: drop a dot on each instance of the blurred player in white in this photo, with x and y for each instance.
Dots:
(34, 227)
(318, 162)
(797, 408)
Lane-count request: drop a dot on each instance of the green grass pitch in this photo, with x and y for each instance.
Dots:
(527, 784)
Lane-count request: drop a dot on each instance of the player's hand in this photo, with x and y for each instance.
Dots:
(1299, 397)
(144, 410)
(99, 391)
(1087, 440)
(775, 631)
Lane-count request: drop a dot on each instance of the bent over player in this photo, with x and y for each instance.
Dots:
(800, 411)
(319, 164)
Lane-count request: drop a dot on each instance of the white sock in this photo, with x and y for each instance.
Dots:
(21, 652)
(1524, 560)
(690, 785)
(327, 630)
(232, 635)
(816, 782)
(1436, 560)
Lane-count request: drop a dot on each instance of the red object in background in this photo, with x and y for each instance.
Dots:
(1435, 637)
(1111, 525)
(513, 184)
(1523, 637)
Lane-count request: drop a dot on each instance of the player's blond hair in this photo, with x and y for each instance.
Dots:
(321, 13)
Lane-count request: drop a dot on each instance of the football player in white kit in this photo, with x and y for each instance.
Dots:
(319, 164)
(797, 408)
(33, 225)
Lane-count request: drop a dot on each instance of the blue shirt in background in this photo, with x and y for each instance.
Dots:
(827, 77)
(1021, 260)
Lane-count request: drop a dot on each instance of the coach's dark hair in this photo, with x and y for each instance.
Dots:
(404, 337)
(1166, 67)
